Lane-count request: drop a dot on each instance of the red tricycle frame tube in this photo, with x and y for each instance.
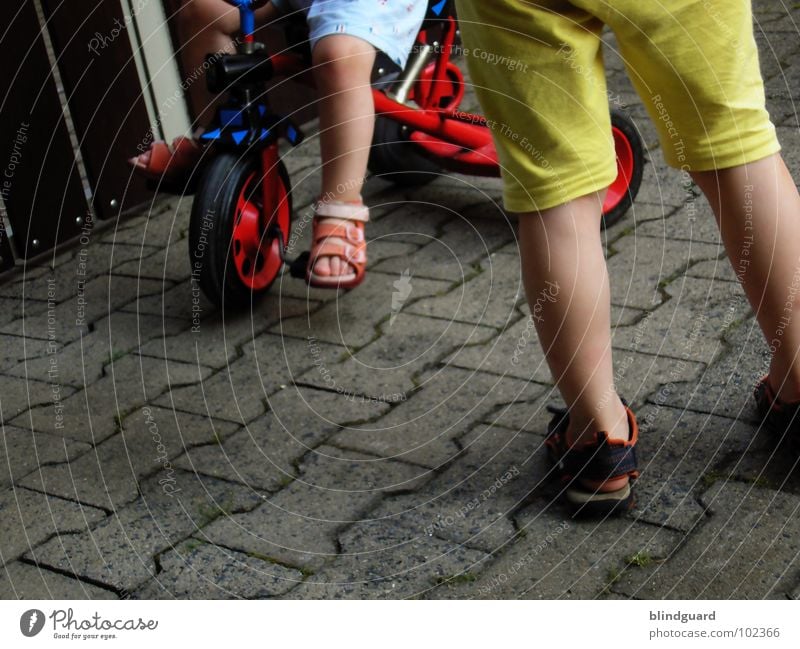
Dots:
(462, 129)
(440, 72)
(269, 166)
(470, 132)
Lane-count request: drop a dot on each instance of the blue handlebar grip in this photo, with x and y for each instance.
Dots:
(247, 17)
(248, 21)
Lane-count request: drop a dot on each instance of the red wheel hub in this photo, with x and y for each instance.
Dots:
(619, 188)
(445, 95)
(256, 254)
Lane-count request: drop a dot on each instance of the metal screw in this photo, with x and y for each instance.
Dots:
(35, 243)
(79, 220)
(381, 71)
(114, 204)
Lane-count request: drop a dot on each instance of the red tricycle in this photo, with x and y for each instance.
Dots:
(241, 216)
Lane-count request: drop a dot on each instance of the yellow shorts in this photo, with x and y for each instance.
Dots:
(538, 72)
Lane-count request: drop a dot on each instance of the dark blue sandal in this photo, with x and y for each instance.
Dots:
(779, 418)
(601, 459)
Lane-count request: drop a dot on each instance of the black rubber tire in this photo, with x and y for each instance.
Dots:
(217, 194)
(393, 158)
(624, 123)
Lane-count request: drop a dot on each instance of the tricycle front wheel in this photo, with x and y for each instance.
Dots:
(235, 255)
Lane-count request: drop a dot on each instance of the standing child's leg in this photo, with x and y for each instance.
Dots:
(757, 208)
(544, 93)
(562, 255)
(342, 69)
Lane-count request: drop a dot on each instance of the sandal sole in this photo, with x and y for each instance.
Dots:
(586, 504)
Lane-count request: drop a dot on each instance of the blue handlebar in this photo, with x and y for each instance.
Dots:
(247, 16)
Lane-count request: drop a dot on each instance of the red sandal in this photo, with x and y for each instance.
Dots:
(171, 165)
(339, 232)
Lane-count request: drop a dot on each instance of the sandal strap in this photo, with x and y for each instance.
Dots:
(352, 232)
(352, 211)
(601, 460)
(351, 254)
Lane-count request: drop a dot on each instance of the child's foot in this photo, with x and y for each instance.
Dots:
(780, 418)
(339, 252)
(597, 469)
(171, 164)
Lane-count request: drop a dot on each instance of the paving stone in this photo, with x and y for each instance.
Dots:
(166, 220)
(644, 264)
(784, 83)
(299, 525)
(216, 341)
(789, 138)
(554, 557)
(19, 395)
(691, 324)
(451, 256)
(385, 561)
(12, 308)
(81, 362)
(102, 259)
(765, 463)
(471, 503)
(693, 222)
(57, 323)
(184, 301)
(171, 263)
(410, 222)
(679, 451)
(264, 454)
(70, 318)
(489, 298)
(726, 388)
(23, 451)
(784, 113)
(775, 53)
(28, 518)
(239, 391)
(515, 352)
(20, 580)
(91, 414)
(286, 286)
(119, 551)
(716, 270)
(386, 369)
(423, 428)
(83, 264)
(149, 440)
(747, 549)
(14, 349)
(662, 185)
(353, 318)
(201, 571)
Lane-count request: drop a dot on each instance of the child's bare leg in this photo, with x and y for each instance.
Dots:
(566, 283)
(757, 208)
(342, 69)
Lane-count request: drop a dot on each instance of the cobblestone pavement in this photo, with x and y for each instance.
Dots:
(387, 442)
